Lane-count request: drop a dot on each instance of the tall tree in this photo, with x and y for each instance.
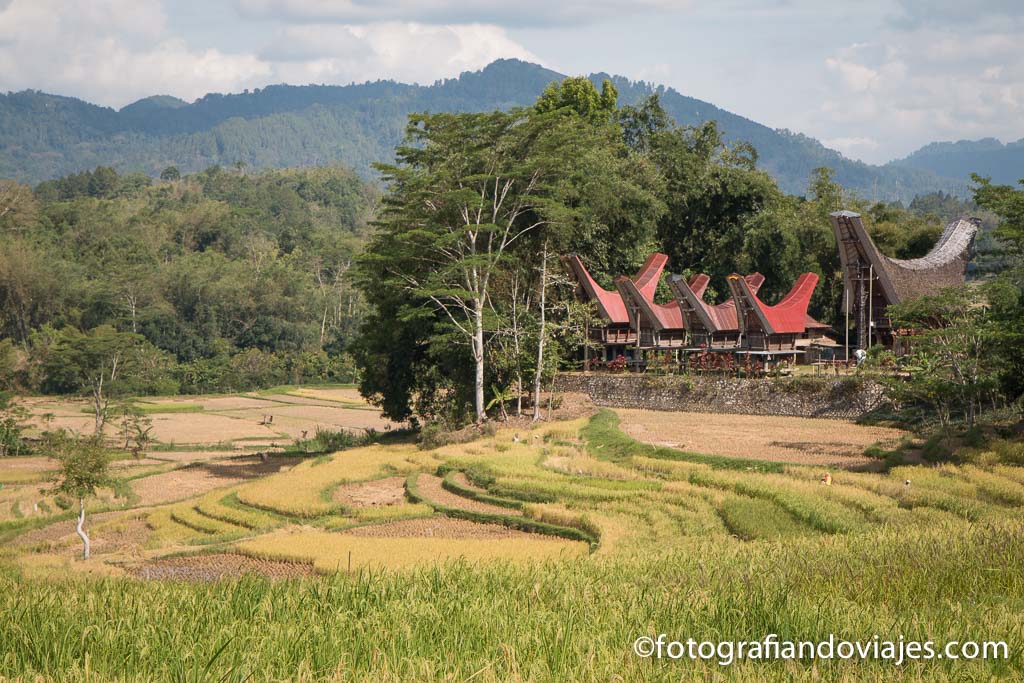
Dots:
(468, 188)
(93, 362)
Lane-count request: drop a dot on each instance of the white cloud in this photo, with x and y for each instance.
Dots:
(116, 51)
(852, 146)
(444, 12)
(923, 79)
(402, 51)
(110, 51)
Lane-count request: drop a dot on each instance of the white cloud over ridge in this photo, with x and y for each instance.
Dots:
(113, 52)
(952, 72)
(498, 12)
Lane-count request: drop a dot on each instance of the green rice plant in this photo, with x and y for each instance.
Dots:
(300, 492)
(226, 508)
(536, 490)
(391, 513)
(449, 483)
(523, 523)
(555, 621)
(190, 517)
(1012, 473)
(802, 502)
(667, 469)
(994, 487)
(165, 530)
(753, 519)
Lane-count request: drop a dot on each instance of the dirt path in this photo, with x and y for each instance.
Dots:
(430, 487)
(800, 440)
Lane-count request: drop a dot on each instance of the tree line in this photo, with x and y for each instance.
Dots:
(218, 281)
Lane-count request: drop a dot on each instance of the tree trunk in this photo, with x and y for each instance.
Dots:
(543, 333)
(80, 530)
(519, 395)
(99, 409)
(478, 358)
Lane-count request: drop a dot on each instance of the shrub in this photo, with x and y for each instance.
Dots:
(437, 434)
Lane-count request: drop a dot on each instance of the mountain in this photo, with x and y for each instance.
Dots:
(44, 136)
(989, 157)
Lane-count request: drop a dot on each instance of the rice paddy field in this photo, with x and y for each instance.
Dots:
(531, 555)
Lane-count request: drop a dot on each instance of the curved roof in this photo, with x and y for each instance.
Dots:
(610, 304)
(690, 301)
(944, 266)
(659, 316)
(787, 316)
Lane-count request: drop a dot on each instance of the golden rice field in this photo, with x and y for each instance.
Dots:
(534, 555)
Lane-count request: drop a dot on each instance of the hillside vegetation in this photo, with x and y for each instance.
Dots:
(1003, 163)
(228, 279)
(44, 136)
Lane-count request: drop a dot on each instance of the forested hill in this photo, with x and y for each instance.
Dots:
(1004, 164)
(46, 136)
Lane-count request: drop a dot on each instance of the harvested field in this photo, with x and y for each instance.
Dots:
(340, 394)
(197, 479)
(198, 455)
(390, 491)
(108, 532)
(430, 487)
(436, 527)
(219, 419)
(293, 420)
(799, 440)
(219, 566)
(209, 428)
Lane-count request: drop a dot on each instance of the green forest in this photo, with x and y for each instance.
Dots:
(216, 281)
(234, 279)
(43, 136)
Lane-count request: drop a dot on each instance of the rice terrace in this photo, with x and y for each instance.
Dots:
(352, 341)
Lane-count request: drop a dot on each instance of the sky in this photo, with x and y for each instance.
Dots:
(874, 79)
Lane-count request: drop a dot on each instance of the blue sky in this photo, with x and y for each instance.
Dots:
(874, 79)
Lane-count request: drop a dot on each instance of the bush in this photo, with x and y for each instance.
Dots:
(937, 449)
(330, 440)
(437, 434)
(254, 369)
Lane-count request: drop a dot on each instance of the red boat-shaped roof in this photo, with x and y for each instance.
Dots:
(610, 304)
(787, 316)
(659, 316)
(714, 318)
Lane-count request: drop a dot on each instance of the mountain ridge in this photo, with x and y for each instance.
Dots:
(44, 136)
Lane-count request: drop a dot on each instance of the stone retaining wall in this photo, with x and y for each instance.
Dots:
(844, 398)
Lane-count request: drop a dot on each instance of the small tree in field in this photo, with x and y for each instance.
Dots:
(83, 470)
